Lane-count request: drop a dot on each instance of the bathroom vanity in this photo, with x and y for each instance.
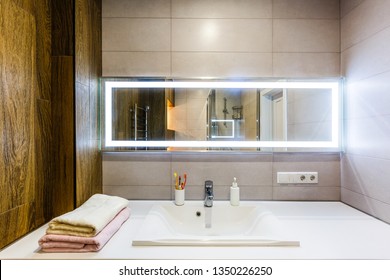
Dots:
(325, 230)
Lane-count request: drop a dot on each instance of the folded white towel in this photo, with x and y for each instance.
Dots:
(90, 218)
(65, 243)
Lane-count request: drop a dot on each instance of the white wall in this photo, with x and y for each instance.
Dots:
(365, 33)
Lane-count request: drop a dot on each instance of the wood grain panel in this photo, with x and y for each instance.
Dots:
(95, 67)
(43, 166)
(83, 41)
(16, 222)
(83, 160)
(17, 91)
(63, 27)
(88, 69)
(43, 55)
(18, 88)
(63, 134)
(27, 5)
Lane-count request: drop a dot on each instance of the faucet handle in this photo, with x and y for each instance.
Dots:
(208, 184)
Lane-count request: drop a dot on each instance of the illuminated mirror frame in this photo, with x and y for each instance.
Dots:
(332, 85)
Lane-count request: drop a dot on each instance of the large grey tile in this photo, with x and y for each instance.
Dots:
(132, 173)
(368, 58)
(307, 9)
(367, 176)
(368, 136)
(221, 9)
(138, 156)
(364, 21)
(139, 192)
(347, 6)
(126, 34)
(125, 64)
(222, 173)
(306, 193)
(366, 204)
(223, 192)
(368, 97)
(306, 65)
(230, 156)
(306, 36)
(136, 8)
(221, 64)
(222, 35)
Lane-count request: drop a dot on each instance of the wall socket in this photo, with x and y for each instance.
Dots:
(297, 177)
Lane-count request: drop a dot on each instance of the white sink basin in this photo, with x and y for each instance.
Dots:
(221, 225)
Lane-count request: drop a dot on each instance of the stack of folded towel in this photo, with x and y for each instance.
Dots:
(87, 228)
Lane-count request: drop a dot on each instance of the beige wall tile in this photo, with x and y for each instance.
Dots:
(365, 62)
(368, 58)
(367, 176)
(306, 9)
(222, 173)
(221, 9)
(365, 20)
(306, 64)
(223, 193)
(347, 6)
(222, 35)
(366, 204)
(221, 38)
(368, 136)
(197, 64)
(136, 8)
(306, 36)
(255, 172)
(136, 173)
(127, 34)
(140, 192)
(306, 193)
(368, 97)
(127, 64)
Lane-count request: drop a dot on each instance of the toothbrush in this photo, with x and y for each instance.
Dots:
(185, 181)
(176, 181)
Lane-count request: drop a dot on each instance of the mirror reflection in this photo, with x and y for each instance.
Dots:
(214, 114)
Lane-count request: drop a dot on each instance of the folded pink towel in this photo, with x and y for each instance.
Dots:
(57, 243)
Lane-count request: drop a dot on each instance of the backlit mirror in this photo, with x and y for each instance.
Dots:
(206, 114)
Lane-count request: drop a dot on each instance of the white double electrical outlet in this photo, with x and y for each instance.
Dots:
(297, 177)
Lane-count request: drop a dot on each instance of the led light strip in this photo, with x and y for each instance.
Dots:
(334, 86)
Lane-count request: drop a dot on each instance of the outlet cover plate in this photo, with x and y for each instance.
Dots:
(303, 177)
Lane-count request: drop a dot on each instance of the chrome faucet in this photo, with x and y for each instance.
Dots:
(208, 193)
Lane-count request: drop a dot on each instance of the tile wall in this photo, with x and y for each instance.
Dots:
(221, 38)
(365, 62)
(140, 175)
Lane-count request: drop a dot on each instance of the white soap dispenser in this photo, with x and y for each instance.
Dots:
(234, 193)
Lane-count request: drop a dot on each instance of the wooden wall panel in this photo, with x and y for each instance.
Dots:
(42, 54)
(62, 27)
(43, 162)
(88, 69)
(43, 122)
(43, 23)
(63, 134)
(16, 222)
(18, 86)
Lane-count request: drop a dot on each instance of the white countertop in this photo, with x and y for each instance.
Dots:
(326, 230)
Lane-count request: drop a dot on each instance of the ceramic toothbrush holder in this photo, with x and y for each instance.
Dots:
(179, 197)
